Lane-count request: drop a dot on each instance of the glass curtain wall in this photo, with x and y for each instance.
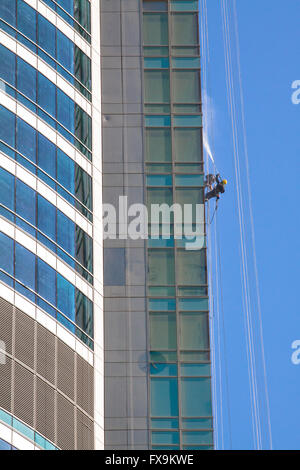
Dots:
(180, 383)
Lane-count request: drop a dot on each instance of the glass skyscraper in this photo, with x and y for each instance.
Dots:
(104, 338)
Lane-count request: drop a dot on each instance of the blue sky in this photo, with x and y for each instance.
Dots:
(270, 62)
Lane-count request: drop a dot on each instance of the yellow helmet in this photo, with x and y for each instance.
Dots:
(224, 181)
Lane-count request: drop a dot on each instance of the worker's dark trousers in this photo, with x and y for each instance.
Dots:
(211, 194)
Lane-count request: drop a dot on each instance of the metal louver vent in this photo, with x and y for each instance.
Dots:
(24, 338)
(65, 423)
(65, 369)
(6, 317)
(85, 432)
(85, 386)
(45, 363)
(45, 409)
(23, 394)
(5, 383)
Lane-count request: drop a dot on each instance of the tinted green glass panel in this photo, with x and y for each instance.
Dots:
(184, 29)
(162, 291)
(190, 291)
(161, 243)
(195, 356)
(156, 51)
(157, 108)
(159, 196)
(23, 429)
(193, 305)
(189, 168)
(196, 370)
(167, 437)
(156, 63)
(157, 121)
(194, 331)
(195, 397)
(191, 268)
(158, 145)
(159, 168)
(163, 370)
(205, 423)
(164, 423)
(161, 267)
(155, 5)
(163, 356)
(157, 86)
(157, 305)
(202, 437)
(188, 145)
(186, 86)
(163, 331)
(155, 29)
(159, 180)
(189, 196)
(186, 62)
(164, 397)
(185, 51)
(184, 5)
(186, 108)
(189, 180)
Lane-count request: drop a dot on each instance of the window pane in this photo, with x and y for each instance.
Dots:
(65, 51)
(184, 29)
(25, 266)
(26, 140)
(46, 281)
(187, 145)
(46, 35)
(163, 331)
(8, 11)
(25, 202)
(164, 397)
(161, 267)
(194, 438)
(191, 267)
(82, 68)
(195, 397)
(47, 155)
(46, 217)
(84, 313)
(186, 86)
(65, 110)
(26, 79)
(157, 86)
(82, 13)
(197, 423)
(65, 171)
(66, 233)
(189, 196)
(165, 437)
(84, 248)
(67, 5)
(155, 29)
(83, 186)
(7, 65)
(7, 193)
(7, 127)
(83, 126)
(26, 20)
(195, 370)
(194, 331)
(155, 5)
(6, 253)
(46, 95)
(159, 196)
(66, 297)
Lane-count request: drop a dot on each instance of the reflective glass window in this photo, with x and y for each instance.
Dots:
(65, 110)
(164, 397)
(82, 13)
(7, 193)
(25, 202)
(46, 35)
(67, 5)
(186, 86)
(46, 281)
(6, 254)
(84, 248)
(26, 20)
(194, 331)
(46, 217)
(47, 155)
(155, 5)
(47, 95)
(66, 233)
(158, 305)
(26, 140)
(196, 397)
(157, 86)
(204, 423)
(7, 128)
(163, 331)
(191, 267)
(189, 196)
(84, 313)
(65, 51)
(8, 11)
(165, 437)
(187, 145)
(25, 266)
(155, 29)
(65, 171)
(83, 126)
(184, 29)
(158, 145)
(26, 79)
(66, 297)
(82, 67)
(200, 437)
(158, 121)
(161, 267)
(5, 445)
(7, 65)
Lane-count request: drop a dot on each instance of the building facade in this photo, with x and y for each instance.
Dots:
(104, 337)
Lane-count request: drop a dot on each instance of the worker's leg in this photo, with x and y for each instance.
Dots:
(210, 195)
